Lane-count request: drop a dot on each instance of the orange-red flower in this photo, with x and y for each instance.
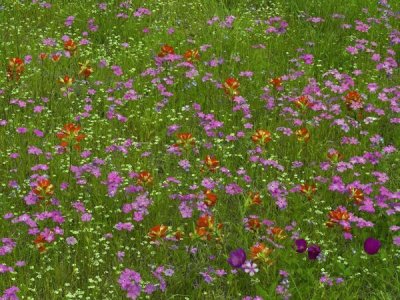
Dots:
(261, 136)
(278, 233)
(357, 195)
(231, 86)
(353, 97)
(211, 163)
(303, 135)
(253, 223)
(15, 68)
(43, 56)
(192, 55)
(66, 80)
(85, 69)
(276, 82)
(185, 140)
(253, 199)
(338, 215)
(206, 221)
(70, 46)
(261, 252)
(55, 57)
(43, 189)
(303, 102)
(144, 178)
(40, 243)
(165, 50)
(158, 231)
(179, 235)
(70, 135)
(308, 190)
(334, 156)
(210, 198)
(205, 226)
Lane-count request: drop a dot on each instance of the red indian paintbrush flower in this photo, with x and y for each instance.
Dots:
(43, 56)
(43, 189)
(231, 86)
(253, 199)
(211, 163)
(144, 178)
(337, 216)
(253, 223)
(85, 69)
(70, 46)
(15, 68)
(357, 195)
(185, 140)
(278, 233)
(210, 198)
(303, 135)
(158, 231)
(334, 155)
(303, 102)
(205, 226)
(55, 57)
(276, 82)
(353, 98)
(261, 252)
(206, 221)
(179, 235)
(308, 190)
(66, 80)
(70, 135)
(40, 243)
(261, 136)
(354, 102)
(165, 50)
(192, 55)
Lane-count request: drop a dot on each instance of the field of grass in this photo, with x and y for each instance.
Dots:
(201, 149)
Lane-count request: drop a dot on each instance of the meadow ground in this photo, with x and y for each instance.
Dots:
(200, 149)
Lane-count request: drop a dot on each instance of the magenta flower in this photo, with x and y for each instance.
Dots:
(68, 22)
(233, 189)
(10, 293)
(237, 258)
(372, 246)
(301, 245)
(313, 251)
(130, 281)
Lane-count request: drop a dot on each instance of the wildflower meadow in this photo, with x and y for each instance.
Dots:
(200, 149)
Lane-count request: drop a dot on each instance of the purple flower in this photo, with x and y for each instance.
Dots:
(86, 217)
(68, 22)
(301, 245)
(372, 246)
(237, 258)
(141, 11)
(71, 240)
(117, 70)
(10, 293)
(124, 226)
(313, 251)
(250, 268)
(120, 255)
(129, 281)
(233, 189)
